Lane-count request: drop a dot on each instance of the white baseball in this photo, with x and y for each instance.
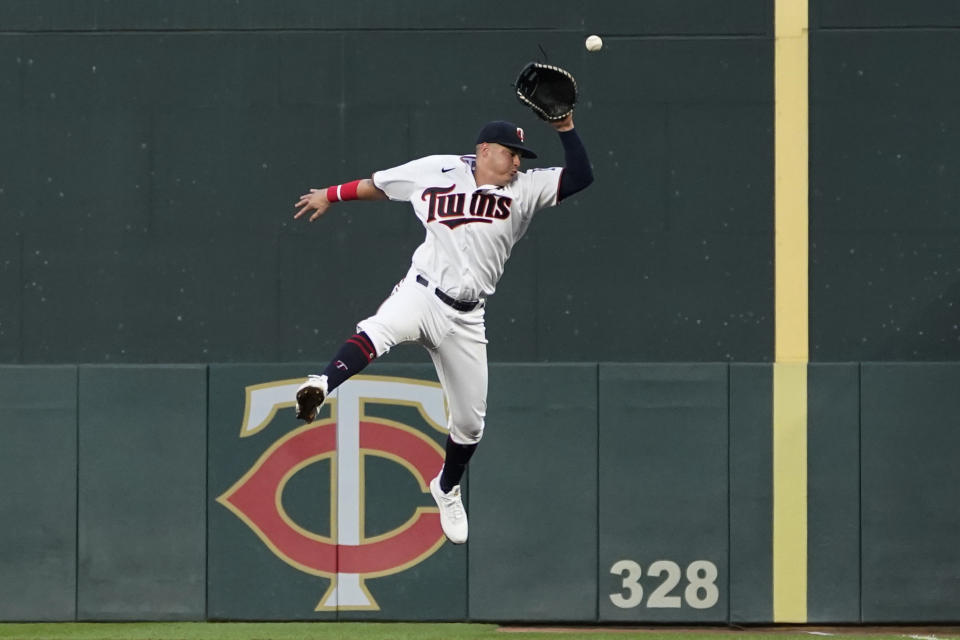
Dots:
(594, 43)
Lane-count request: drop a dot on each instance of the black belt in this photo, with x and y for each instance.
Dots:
(459, 305)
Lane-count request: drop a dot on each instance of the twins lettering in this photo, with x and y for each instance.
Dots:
(451, 209)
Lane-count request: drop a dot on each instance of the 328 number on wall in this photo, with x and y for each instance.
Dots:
(700, 591)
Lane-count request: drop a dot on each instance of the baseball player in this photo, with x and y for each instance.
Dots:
(474, 209)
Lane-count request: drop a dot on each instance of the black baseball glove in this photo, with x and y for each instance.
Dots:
(550, 91)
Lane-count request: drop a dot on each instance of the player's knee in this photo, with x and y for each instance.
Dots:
(466, 431)
(380, 337)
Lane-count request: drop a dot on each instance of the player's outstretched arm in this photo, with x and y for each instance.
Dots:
(319, 200)
(577, 172)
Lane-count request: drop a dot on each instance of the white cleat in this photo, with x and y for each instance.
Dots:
(310, 397)
(453, 518)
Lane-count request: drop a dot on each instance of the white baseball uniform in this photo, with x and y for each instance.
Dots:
(471, 230)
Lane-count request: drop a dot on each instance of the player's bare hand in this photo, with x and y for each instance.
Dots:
(316, 200)
(563, 125)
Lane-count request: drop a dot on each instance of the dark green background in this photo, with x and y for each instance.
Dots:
(110, 510)
(154, 155)
(663, 481)
(533, 527)
(751, 493)
(38, 507)
(141, 530)
(884, 180)
(151, 157)
(154, 152)
(834, 491)
(909, 489)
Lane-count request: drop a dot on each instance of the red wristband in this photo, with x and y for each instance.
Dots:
(341, 192)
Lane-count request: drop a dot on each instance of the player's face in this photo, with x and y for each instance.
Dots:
(499, 162)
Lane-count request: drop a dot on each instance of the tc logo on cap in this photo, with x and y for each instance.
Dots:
(506, 133)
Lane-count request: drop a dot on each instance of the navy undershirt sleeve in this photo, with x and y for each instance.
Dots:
(577, 173)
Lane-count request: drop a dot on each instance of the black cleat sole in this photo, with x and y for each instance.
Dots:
(308, 400)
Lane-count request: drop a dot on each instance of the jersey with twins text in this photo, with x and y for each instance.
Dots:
(471, 228)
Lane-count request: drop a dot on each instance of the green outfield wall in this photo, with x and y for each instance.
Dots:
(153, 153)
(610, 492)
(166, 145)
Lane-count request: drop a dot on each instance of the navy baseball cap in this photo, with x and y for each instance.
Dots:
(507, 134)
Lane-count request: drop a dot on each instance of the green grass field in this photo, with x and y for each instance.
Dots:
(425, 631)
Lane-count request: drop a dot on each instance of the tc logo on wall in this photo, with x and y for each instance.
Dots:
(344, 554)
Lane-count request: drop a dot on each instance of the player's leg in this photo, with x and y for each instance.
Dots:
(461, 363)
(352, 357)
(466, 423)
(396, 321)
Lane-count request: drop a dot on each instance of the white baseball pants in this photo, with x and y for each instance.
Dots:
(456, 341)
